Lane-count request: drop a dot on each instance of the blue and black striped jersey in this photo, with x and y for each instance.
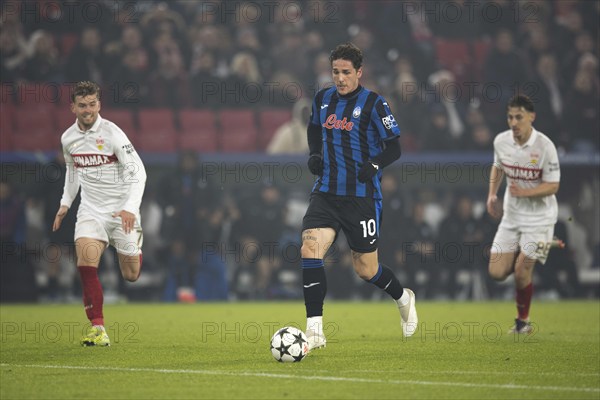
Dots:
(354, 128)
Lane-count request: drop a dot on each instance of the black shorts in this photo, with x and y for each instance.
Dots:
(358, 217)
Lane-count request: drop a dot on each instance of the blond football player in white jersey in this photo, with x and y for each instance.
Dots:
(529, 160)
(103, 163)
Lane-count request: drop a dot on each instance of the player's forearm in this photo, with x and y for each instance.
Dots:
(315, 138)
(137, 179)
(543, 189)
(71, 186)
(391, 153)
(496, 176)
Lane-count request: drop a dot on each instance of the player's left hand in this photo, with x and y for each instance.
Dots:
(367, 171)
(517, 191)
(127, 219)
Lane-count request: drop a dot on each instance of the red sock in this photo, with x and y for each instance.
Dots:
(524, 301)
(92, 294)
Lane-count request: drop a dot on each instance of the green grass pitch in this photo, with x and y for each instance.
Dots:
(221, 350)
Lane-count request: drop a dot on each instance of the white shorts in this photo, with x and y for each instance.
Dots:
(534, 244)
(108, 229)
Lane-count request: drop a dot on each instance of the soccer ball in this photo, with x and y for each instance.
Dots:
(289, 344)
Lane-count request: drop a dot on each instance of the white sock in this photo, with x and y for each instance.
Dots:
(404, 299)
(100, 327)
(315, 324)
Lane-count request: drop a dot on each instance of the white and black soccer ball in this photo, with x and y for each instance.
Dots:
(289, 344)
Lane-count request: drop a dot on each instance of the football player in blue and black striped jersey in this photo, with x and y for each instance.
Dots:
(352, 136)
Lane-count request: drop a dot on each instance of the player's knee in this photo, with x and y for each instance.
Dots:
(309, 249)
(497, 273)
(130, 276)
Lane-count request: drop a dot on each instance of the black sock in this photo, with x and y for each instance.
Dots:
(386, 280)
(315, 286)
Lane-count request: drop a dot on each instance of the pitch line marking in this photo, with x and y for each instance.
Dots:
(580, 374)
(314, 377)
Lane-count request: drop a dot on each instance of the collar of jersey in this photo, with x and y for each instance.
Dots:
(94, 127)
(351, 94)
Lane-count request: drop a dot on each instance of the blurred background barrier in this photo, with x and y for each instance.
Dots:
(241, 238)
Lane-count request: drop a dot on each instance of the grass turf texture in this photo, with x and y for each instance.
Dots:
(221, 350)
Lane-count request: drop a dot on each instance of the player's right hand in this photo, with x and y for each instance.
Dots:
(315, 164)
(493, 207)
(60, 215)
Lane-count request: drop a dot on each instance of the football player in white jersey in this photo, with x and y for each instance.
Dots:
(103, 163)
(529, 160)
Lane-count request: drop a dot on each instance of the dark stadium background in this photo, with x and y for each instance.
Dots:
(208, 84)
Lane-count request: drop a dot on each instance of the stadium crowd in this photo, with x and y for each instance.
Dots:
(446, 69)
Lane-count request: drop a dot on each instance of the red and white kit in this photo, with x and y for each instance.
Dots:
(527, 221)
(103, 162)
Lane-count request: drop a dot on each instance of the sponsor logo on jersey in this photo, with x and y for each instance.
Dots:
(333, 123)
(389, 121)
(92, 160)
(522, 174)
(356, 112)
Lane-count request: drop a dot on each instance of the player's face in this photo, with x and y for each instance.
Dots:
(520, 120)
(345, 76)
(86, 110)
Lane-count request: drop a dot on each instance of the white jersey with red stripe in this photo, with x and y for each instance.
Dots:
(103, 162)
(534, 162)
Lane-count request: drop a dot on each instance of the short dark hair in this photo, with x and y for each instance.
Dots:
(85, 88)
(348, 51)
(521, 100)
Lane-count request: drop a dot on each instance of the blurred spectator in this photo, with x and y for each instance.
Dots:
(582, 119)
(13, 47)
(86, 60)
(412, 110)
(322, 71)
(447, 103)
(162, 21)
(187, 198)
(548, 98)
(460, 239)
(538, 43)
(16, 270)
(244, 82)
(416, 254)
(506, 69)
(290, 138)
(60, 249)
(206, 85)
(169, 82)
(584, 43)
(480, 136)
(44, 63)
(290, 55)
(457, 21)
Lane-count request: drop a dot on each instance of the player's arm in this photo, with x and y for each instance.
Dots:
(496, 175)
(314, 136)
(134, 179)
(70, 191)
(389, 133)
(391, 153)
(543, 189)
